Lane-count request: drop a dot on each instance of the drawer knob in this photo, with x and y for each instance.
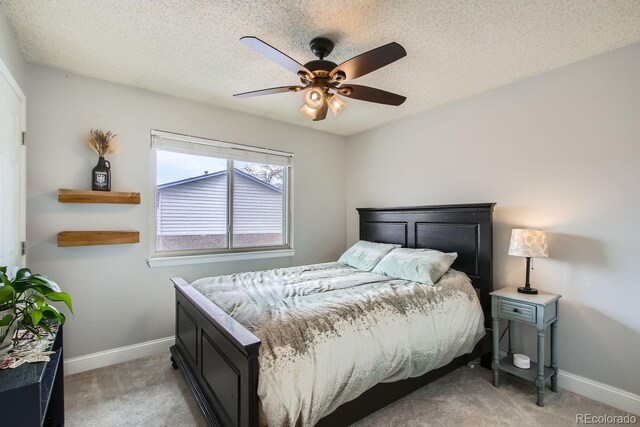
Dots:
(515, 310)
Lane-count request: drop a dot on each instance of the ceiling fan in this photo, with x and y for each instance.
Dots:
(320, 77)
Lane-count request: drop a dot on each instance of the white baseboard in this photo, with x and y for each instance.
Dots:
(604, 393)
(612, 396)
(116, 355)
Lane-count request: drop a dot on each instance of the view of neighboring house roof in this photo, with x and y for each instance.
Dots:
(211, 175)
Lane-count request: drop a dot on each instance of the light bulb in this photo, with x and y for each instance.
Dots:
(315, 98)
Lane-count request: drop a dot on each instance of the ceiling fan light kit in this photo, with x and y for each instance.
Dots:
(320, 76)
(315, 103)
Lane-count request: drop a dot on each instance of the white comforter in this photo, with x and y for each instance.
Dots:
(329, 332)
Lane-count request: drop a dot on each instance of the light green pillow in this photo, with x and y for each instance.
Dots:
(417, 265)
(365, 255)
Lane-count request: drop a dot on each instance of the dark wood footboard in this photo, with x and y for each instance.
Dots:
(218, 358)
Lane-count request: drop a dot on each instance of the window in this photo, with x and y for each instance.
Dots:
(217, 197)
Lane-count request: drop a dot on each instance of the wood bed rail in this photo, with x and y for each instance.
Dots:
(242, 338)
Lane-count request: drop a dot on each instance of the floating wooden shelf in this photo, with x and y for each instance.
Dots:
(90, 238)
(86, 196)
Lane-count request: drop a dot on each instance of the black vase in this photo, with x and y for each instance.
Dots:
(101, 176)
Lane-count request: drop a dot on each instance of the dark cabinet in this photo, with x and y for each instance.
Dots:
(33, 394)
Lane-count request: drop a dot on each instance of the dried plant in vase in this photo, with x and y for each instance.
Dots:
(102, 143)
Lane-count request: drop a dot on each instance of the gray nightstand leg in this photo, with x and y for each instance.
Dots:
(540, 378)
(554, 356)
(512, 336)
(496, 351)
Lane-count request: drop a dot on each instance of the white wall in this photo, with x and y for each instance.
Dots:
(10, 52)
(558, 151)
(118, 299)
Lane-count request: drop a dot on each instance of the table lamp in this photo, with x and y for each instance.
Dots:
(528, 243)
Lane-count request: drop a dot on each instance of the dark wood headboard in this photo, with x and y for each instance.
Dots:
(465, 229)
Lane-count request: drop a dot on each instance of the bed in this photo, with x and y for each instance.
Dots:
(218, 356)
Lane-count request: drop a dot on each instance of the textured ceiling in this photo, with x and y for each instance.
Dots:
(190, 49)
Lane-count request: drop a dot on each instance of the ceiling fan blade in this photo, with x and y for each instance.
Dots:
(370, 94)
(370, 61)
(274, 54)
(270, 91)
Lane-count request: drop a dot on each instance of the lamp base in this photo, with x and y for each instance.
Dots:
(527, 290)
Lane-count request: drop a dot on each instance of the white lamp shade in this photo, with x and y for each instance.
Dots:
(316, 113)
(528, 243)
(336, 104)
(309, 112)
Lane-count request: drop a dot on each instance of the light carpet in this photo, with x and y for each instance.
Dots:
(149, 392)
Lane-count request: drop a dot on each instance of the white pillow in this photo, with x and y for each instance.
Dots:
(365, 255)
(417, 265)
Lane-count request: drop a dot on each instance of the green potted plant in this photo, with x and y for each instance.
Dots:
(24, 304)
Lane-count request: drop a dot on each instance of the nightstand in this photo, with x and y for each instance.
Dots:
(539, 310)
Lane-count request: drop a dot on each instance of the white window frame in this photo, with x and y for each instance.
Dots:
(168, 258)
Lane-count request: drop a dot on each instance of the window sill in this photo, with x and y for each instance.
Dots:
(201, 259)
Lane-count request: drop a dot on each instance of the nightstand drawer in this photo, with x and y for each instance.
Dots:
(517, 311)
